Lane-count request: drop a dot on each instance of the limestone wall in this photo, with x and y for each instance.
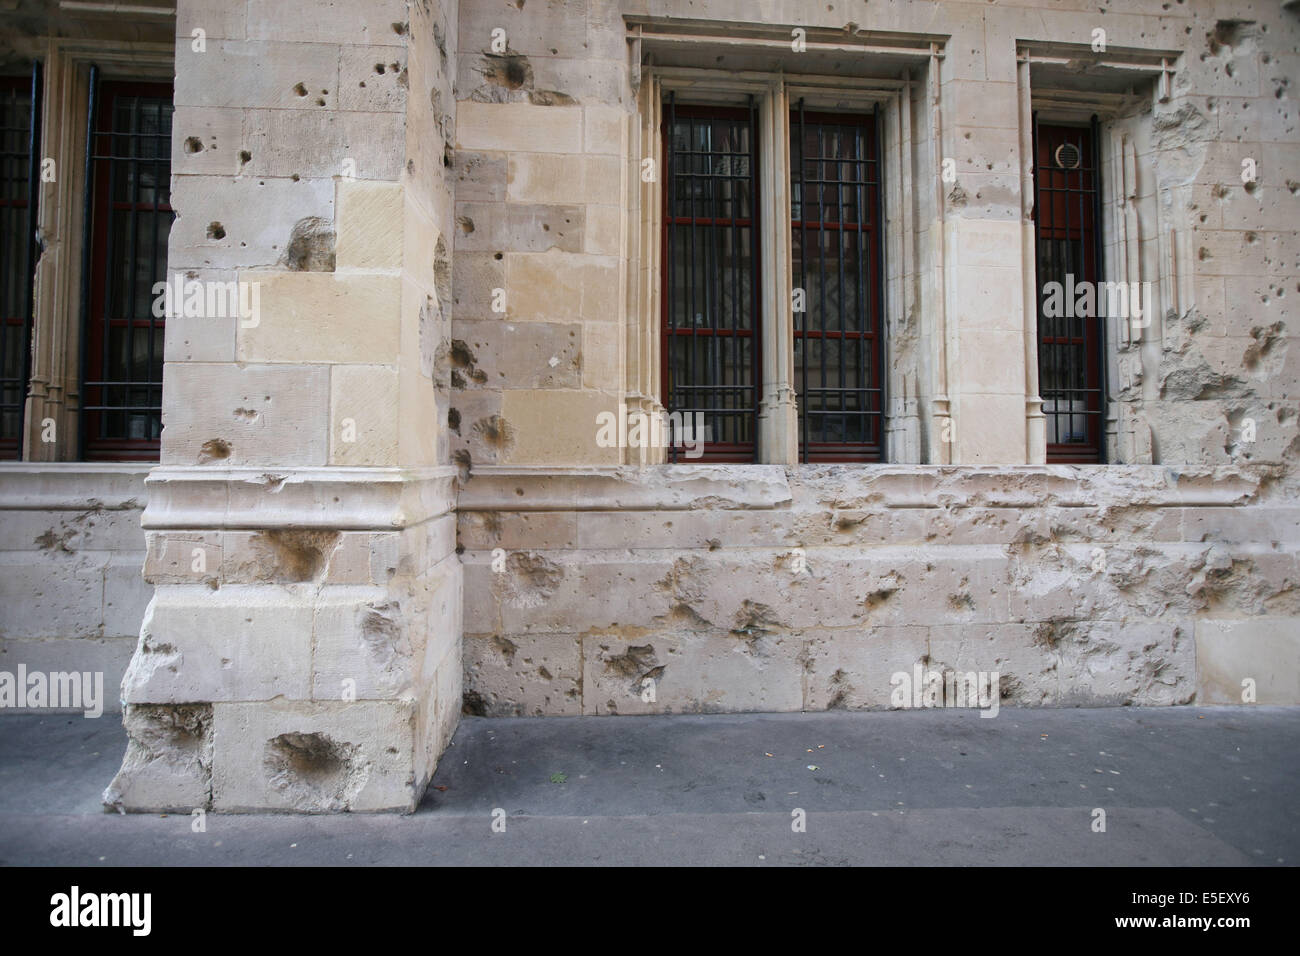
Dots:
(71, 593)
(581, 580)
(302, 650)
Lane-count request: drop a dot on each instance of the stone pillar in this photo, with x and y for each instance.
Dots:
(302, 650)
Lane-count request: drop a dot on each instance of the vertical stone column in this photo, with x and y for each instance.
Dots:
(983, 259)
(302, 650)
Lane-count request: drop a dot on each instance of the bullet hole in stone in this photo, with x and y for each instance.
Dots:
(510, 71)
(495, 432)
(1250, 187)
(461, 356)
(193, 144)
(320, 102)
(399, 28)
(300, 89)
(216, 230)
(395, 67)
(550, 98)
(214, 449)
(519, 492)
(545, 228)
(311, 246)
(362, 84)
(466, 224)
(464, 464)
(1252, 237)
(246, 414)
(295, 177)
(294, 555)
(244, 157)
(379, 68)
(314, 771)
(442, 274)
(497, 256)
(453, 419)
(324, 92)
(519, 4)
(1203, 254)
(410, 167)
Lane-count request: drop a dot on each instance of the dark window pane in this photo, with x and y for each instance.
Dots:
(131, 223)
(15, 256)
(835, 188)
(1069, 339)
(710, 303)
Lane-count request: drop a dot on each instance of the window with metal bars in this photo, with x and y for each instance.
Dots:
(1067, 217)
(711, 300)
(837, 254)
(19, 132)
(130, 218)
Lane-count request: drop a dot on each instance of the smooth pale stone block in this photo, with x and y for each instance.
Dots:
(602, 129)
(251, 74)
(990, 428)
(528, 432)
(1265, 650)
(230, 415)
(369, 218)
(363, 415)
(323, 317)
(361, 752)
(518, 127)
(240, 642)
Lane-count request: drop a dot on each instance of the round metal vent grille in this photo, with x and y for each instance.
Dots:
(1068, 156)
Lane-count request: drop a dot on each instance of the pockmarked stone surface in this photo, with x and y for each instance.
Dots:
(986, 311)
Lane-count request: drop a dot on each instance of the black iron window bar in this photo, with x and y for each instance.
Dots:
(1071, 357)
(838, 265)
(711, 299)
(129, 218)
(20, 110)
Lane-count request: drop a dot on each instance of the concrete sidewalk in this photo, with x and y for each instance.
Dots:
(1180, 786)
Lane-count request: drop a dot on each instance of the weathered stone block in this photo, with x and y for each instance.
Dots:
(314, 757)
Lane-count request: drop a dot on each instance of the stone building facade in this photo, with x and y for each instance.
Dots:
(433, 274)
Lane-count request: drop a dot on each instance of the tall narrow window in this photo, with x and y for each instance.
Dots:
(836, 251)
(710, 318)
(131, 218)
(1067, 216)
(18, 103)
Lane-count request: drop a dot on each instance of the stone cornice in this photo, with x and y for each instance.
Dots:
(72, 486)
(348, 499)
(735, 487)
